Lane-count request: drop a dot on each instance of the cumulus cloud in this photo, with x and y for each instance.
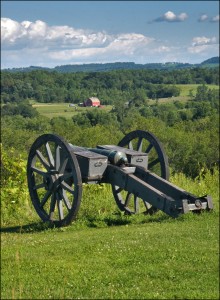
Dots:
(198, 41)
(169, 16)
(163, 49)
(39, 34)
(203, 18)
(119, 46)
(201, 44)
(64, 43)
(215, 19)
(36, 43)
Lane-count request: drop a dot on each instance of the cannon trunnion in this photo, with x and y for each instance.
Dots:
(137, 169)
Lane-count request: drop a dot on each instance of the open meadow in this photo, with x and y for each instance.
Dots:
(106, 255)
(52, 110)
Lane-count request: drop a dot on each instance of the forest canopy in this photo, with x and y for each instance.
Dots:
(112, 87)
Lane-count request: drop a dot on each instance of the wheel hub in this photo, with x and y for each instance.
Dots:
(52, 180)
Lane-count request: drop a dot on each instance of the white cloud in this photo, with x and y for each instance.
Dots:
(38, 34)
(120, 46)
(203, 44)
(64, 43)
(198, 41)
(36, 43)
(10, 30)
(169, 16)
(162, 49)
(203, 18)
(215, 19)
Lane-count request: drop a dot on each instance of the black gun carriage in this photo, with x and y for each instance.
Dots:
(137, 169)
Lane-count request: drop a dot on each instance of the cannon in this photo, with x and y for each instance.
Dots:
(137, 170)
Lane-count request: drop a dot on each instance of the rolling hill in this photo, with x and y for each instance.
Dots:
(99, 67)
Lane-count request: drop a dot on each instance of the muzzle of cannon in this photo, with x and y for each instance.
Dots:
(137, 169)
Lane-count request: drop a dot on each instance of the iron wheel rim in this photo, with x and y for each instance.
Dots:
(54, 180)
(143, 141)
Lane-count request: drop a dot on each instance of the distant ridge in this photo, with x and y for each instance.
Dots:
(98, 67)
(213, 60)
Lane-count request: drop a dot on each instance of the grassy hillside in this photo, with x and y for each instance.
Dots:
(106, 255)
(99, 67)
(159, 259)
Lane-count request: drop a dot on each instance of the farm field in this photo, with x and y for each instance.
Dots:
(51, 110)
(186, 88)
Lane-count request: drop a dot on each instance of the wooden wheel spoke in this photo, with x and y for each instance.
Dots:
(147, 205)
(65, 199)
(38, 186)
(136, 204)
(43, 160)
(38, 171)
(139, 145)
(45, 198)
(60, 209)
(66, 187)
(57, 159)
(149, 148)
(63, 167)
(130, 145)
(118, 189)
(153, 163)
(66, 176)
(128, 198)
(52, 206)
(50, 155)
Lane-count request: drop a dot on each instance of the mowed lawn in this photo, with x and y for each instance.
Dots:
(160, 258)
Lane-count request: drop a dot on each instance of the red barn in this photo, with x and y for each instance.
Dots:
(92, 101)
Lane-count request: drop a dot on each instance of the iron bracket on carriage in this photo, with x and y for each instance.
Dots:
(137, 169)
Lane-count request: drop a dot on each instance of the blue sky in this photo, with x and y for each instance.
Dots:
(52, 33)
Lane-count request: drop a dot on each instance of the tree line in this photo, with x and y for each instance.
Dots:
(111, 87)
(204, 103)
(190, 145)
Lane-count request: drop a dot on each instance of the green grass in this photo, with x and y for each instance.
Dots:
(106, 255)
(52, 110)
(185, 90)
(161, 258)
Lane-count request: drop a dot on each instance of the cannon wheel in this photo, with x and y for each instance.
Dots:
(54, 180)
(142, 141)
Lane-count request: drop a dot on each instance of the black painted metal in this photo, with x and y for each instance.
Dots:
(54, 180)
(143, 142)
(137, 169)
(142, 187)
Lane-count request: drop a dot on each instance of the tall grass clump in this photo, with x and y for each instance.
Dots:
(206, 183)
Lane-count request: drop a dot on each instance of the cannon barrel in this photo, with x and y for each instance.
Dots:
(116, 158)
